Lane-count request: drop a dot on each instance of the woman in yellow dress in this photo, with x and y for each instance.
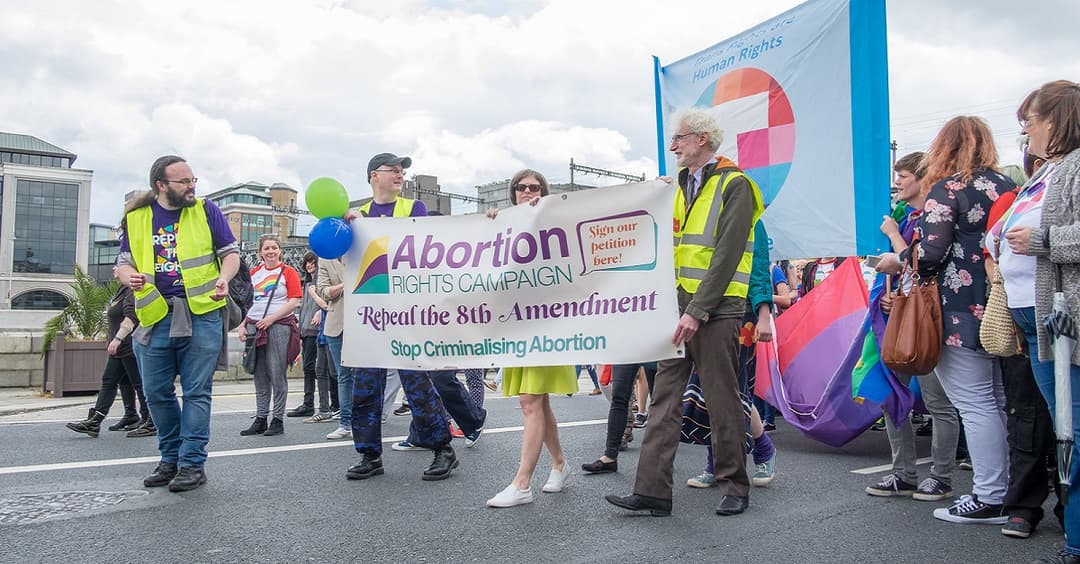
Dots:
(532, 384)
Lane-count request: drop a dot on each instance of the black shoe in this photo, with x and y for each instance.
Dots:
(444, 463)
(125, 422)
(91, 425)
(147, 429)
(655, 506)
(301, 411)
(601, 467)
(732, 504)
(258, 427)
(188, 478)
(367, 467)
(1017, 527)
(402, 409)
(276, 427)
(878, 425)
(926, 429)
(768, 427)
(161, 476)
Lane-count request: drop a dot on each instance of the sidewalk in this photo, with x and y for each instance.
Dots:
(14, 401)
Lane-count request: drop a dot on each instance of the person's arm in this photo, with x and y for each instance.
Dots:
(782, 295)
(937, 231)
(327, 291)
(230, 264)
(891, 229)
(760, 291)
(312, 291)
(732, 230)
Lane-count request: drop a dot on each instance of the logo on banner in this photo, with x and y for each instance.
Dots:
(751, 104)
(374, 277)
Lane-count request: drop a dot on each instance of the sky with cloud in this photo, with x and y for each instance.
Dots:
(289, 90)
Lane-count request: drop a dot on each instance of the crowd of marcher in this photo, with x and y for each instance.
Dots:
(958, 220)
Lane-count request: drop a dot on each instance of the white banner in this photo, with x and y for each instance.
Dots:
(583, 277)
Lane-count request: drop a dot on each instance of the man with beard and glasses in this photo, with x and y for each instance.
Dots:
(178, 255)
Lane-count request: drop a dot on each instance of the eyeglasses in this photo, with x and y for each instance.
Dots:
(530, 187)
(391, 170)
(184, 181)
(675, 138)
(1028, 119)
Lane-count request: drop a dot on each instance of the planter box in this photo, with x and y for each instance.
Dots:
(74, 366)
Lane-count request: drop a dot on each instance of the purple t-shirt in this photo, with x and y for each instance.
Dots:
(387, 210)
(167, 276)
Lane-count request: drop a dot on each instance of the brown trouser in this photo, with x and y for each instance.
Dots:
(714, 350)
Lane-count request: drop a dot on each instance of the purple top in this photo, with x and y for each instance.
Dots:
(167, 276)
(387, 210)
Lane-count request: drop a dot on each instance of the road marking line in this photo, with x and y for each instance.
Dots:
(245, 451)
(887, 467)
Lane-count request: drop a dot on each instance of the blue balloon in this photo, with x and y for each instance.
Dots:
(330, 238)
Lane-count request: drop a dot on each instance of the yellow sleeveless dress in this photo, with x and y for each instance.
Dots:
(539, 380)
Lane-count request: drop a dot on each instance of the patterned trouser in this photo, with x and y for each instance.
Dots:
(429, 417)
(474, 381)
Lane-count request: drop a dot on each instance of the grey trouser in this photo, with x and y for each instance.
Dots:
(943, 441)
(972, 380)
(714, 350)
(270, 369)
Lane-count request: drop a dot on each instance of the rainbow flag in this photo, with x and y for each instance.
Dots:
(807, 370)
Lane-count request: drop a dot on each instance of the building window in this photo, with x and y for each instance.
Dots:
(45, 227)
(254, 225)
(242, 199)
(40, 299)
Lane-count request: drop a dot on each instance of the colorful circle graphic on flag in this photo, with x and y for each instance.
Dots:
(758, 124)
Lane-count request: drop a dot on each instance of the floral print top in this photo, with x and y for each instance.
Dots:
(950, 234)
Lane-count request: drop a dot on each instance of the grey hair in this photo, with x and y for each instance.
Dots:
(700, 120)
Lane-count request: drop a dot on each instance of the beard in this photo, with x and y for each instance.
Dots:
(179, 200)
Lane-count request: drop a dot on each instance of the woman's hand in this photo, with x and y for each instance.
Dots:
(491, 213)
(114, 345)
(886, 303)
(1019, 239)
(316, 319)
(889, 226)
(264, 324)
(889, 264)
(242, 332)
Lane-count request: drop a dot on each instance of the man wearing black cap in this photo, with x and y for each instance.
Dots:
(430, 429)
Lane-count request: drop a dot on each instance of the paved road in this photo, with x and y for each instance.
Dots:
(275, 499)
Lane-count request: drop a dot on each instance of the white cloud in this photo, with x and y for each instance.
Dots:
(288, 90)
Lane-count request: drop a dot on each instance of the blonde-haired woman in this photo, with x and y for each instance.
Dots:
(532, 385)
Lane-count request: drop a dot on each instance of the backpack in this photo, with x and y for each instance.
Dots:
(241, 295)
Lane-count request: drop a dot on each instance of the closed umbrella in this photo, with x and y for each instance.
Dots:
(1062, 331)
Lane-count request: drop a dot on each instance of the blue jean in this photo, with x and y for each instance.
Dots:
(1044, 378)
(429, 423)
(182, 433)
(591, 369)
(455, 398)
(344, 381)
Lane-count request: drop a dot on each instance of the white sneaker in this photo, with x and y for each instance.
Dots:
(340, 433)
(556, 479)
(510, 497)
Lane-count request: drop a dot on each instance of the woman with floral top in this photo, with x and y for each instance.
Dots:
(961, 168)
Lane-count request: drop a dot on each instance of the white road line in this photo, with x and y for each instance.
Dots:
(887, 467)
(245, 451)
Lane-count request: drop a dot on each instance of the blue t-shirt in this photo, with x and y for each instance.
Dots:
(387, 210)
(778, 277)
(167, 276)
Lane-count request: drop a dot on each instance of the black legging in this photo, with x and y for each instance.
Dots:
(623, 377)
(123, 372)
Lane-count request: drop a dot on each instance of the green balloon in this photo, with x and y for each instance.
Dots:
(326, 197)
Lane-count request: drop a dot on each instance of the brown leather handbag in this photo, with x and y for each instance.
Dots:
(913, 334)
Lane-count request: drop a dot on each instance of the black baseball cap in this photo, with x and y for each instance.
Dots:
(387, 159)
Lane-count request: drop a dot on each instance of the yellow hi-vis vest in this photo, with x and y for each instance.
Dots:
(402, 207)
(194, 253)
(695, 234)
